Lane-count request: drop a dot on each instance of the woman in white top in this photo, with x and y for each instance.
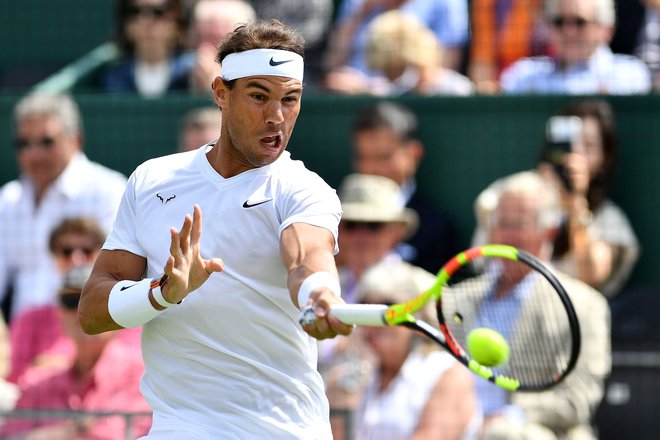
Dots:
(418, 391)
(596, 243)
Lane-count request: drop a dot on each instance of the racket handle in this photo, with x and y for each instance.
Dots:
(360, 314)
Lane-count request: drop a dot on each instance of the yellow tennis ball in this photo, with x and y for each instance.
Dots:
(487, 347)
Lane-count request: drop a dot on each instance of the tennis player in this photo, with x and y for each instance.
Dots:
(225, 356)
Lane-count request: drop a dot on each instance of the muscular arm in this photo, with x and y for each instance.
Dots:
(110, 267)
(307, 249)
(185, 268)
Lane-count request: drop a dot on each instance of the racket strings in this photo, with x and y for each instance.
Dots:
(523, 306)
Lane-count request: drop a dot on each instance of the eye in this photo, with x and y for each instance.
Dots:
(290, 99)
(258, 97)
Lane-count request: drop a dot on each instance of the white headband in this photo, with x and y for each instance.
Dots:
(253, 62)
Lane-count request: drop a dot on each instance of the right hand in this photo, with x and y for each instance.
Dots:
(325, 326)
(185, 268)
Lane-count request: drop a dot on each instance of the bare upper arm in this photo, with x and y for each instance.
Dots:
(450, 406)
(300, 239)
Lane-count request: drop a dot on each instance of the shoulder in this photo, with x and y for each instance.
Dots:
(611, 224)
(163, 168)
(10, 193)
(294, 176)
(585, 299)
(118, 76)
(634, 70)
(526, 69)
(629, 61)
(105, 174)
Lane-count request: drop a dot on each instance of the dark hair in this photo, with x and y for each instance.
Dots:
(261, 34)
(386, 114)
(80, 226)
(124, 8)
(599, 183)
(603, 113)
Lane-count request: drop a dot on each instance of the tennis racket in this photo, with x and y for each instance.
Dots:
(536, 317)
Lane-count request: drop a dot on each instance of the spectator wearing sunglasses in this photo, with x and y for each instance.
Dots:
(103, 374)
(36, 336)
(581, 61)
(151, 38)
(56, 181)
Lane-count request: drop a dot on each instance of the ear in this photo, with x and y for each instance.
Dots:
(219, 92)
(416, 150)
(608, 33)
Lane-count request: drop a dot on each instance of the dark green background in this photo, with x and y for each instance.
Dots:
(469, 143)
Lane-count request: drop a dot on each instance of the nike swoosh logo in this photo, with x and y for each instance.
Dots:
(127, 287)
(250, 205)
(272, 62)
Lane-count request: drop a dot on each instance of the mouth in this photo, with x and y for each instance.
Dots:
(272, 142)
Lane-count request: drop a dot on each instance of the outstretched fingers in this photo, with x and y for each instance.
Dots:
(196, 227)
(184, 234)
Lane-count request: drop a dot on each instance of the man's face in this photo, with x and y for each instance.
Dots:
(258, 116)
(151, 26)
(515, 222)
(381, 152)
(575, 33)
(43, 149)
(363, 244)
(74, 249)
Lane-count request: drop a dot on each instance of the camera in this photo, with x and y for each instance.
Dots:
(561, 132)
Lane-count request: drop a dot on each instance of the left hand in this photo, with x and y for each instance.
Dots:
(325, 326)
(185, 268)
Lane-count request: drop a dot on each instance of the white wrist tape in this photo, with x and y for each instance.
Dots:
(313, 282)
(129, 305)
(156, 291)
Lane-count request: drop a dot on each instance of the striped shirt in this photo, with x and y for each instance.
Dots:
(604, 73)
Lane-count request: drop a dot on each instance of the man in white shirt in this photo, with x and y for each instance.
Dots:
(583, 63)
(224, 353)
(56, 181)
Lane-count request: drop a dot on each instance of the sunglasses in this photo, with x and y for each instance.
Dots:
(351, 225)
(147, 11)
(45, 143)
(576, 22)
(384, 302)
(67, 251)
(69, 300)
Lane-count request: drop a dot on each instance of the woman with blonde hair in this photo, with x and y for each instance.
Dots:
(407, 57)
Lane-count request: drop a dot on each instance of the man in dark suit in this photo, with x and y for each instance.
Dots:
(386, 143)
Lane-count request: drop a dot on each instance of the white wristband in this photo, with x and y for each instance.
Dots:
(313, 282)
(129, 305)
(156, 283)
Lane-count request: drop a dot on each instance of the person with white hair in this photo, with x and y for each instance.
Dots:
(527, 214)
(56, 180)
(583, 63)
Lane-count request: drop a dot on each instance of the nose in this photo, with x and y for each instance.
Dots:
(78, 257)
(273, 113)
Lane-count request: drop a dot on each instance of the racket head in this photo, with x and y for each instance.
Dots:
(535, 315)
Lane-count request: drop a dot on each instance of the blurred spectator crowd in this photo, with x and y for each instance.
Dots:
(393, 47)
(55, 216)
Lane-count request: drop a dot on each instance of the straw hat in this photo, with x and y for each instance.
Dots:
(369, 198)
